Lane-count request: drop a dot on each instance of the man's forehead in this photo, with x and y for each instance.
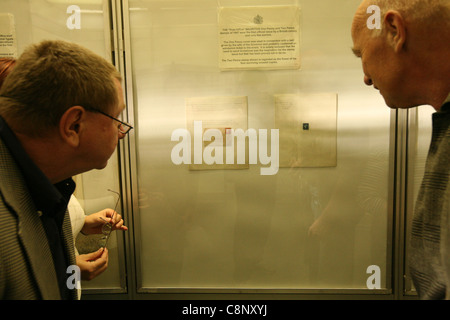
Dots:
(359, 20)
(359, 30)
(356, 36)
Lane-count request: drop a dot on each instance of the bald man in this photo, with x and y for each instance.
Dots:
(408, 61)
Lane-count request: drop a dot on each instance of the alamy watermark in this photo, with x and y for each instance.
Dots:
(74, 280)
(374, 21)
(221, 147)
(374, 280)
(74, 20)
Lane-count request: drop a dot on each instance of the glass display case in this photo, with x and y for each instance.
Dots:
(259, 163)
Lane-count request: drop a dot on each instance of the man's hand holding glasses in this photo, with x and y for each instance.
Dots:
(95, 222)
(102, 222)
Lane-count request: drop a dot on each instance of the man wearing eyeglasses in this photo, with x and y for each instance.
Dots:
(58, 118)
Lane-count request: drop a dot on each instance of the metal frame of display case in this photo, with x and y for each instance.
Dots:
(402, 125)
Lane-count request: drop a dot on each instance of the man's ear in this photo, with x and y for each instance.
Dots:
(71, 124)
(395, 30)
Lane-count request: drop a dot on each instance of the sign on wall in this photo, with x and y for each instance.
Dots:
(8, 41)
(259, 38)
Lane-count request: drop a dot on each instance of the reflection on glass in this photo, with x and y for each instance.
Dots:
(308, 227)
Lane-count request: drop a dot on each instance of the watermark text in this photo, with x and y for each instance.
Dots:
(74, 280)
(215, 146)
(74, 20)
(374, 280)
(374, 21)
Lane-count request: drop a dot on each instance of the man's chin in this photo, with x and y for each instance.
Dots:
(400, 104)
(102, 166)
(397, 105)
(404, 107)
(390, 104)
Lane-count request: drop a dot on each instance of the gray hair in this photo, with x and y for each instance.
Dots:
(417, 10)
(49, 78)
(424, 12)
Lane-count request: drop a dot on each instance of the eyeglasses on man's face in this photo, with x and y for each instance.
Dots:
(123, 127)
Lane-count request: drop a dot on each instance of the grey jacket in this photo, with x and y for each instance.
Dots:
(430, 234)
(26, 264)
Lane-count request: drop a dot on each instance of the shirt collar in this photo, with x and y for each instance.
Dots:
(48, 198)
(446, 105)
(448, 99)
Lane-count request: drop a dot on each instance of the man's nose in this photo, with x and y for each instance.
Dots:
(368, 81)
